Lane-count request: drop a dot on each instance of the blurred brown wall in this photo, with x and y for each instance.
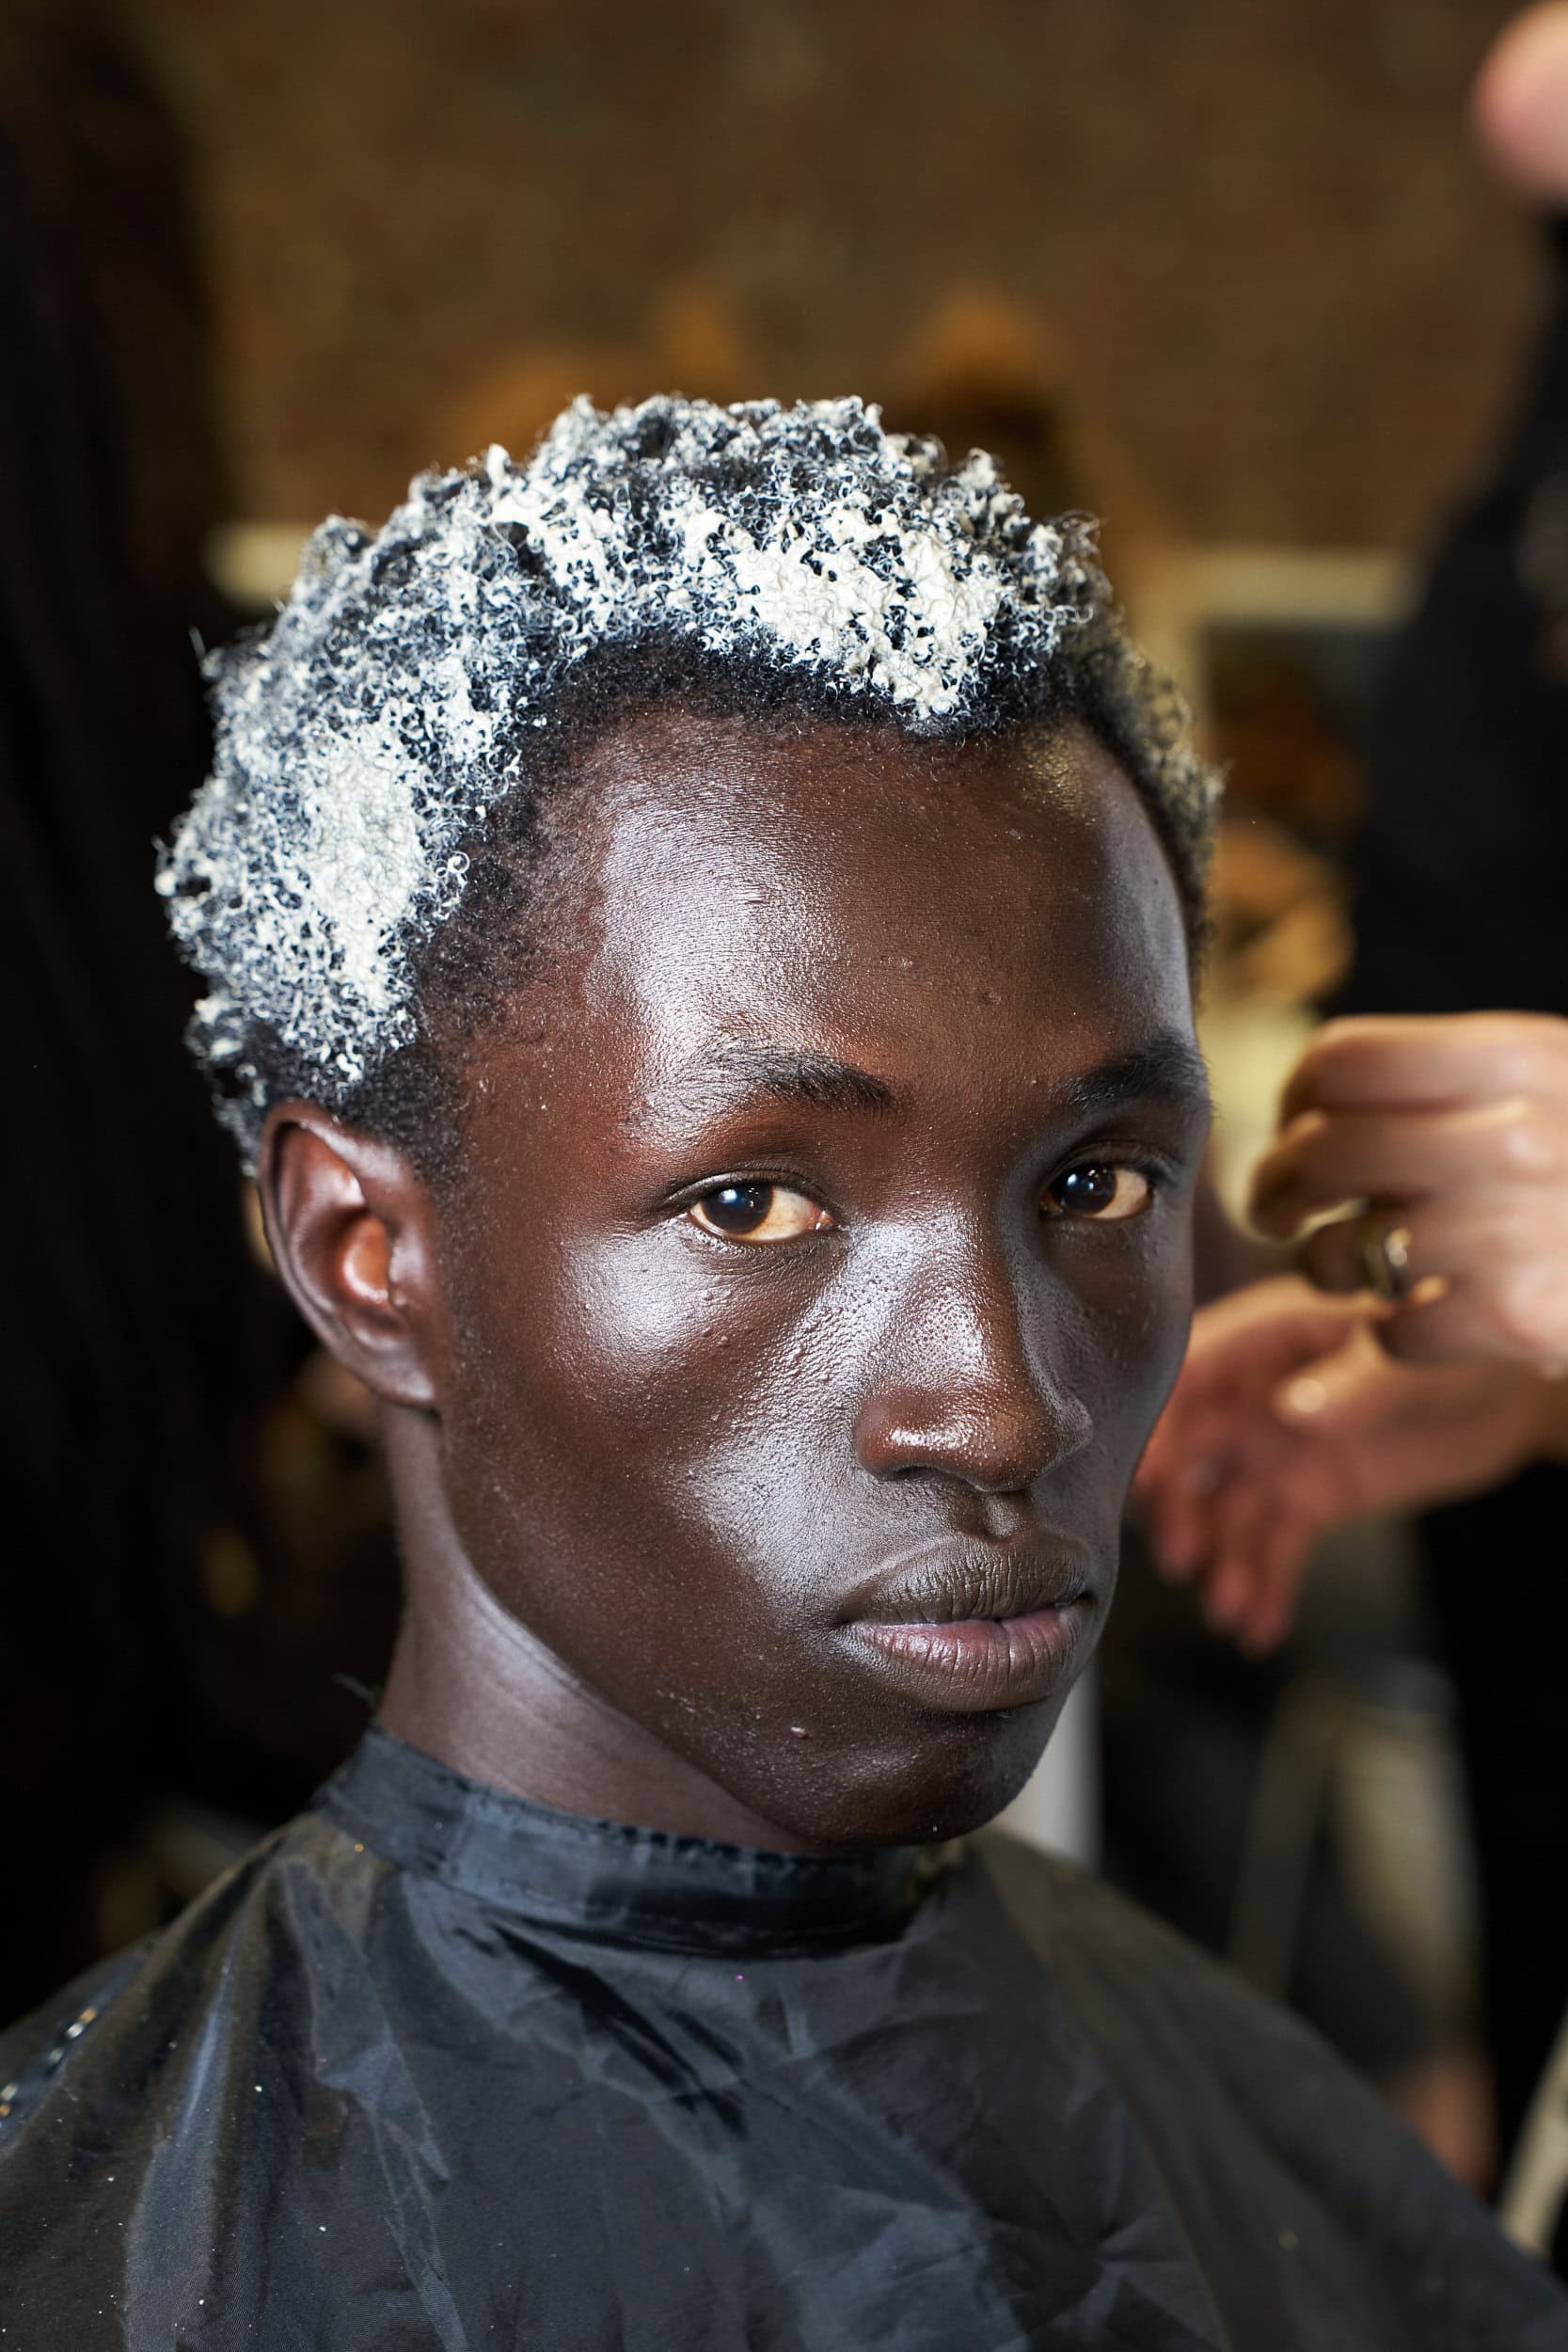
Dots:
(1256, 229)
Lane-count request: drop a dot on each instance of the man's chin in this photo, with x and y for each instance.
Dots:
(960, 1773)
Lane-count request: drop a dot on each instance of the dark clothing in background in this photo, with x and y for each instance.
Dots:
(1462, 869)
(1497, 1580)
(127, 1285)
(191, 1558)
(437, 2069)
(1462, 906)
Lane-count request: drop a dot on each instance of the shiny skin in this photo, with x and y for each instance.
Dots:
(648, 1474)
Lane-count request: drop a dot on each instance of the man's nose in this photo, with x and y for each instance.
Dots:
(960, 1389)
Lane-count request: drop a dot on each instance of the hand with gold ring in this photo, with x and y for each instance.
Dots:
(1425, 1160)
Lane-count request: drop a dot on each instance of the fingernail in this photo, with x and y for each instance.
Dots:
(1427, 1292)
(1306, 1396)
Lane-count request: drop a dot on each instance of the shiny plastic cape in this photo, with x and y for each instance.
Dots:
(439, 2071)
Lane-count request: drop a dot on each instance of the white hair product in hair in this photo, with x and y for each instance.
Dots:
(375, 726)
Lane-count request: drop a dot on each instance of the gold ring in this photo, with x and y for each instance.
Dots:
(1385, 1250)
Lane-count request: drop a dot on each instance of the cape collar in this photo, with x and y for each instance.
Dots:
(608, 1879)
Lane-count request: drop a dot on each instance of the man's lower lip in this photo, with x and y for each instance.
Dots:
(974, 1664)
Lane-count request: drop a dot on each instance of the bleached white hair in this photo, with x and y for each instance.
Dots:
(373, 728)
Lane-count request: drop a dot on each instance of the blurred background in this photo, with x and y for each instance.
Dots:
(1234, 276)
(1249, 238)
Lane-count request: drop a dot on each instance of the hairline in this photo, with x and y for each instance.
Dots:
(578, 744)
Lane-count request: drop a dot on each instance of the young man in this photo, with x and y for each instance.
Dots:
(698, 934)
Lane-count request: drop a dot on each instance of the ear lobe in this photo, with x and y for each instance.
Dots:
(351, 1230)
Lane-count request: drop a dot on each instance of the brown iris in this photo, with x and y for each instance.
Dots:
(1109, 1193)
(758, 1213)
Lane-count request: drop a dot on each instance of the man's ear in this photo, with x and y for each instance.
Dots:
(352, 1231)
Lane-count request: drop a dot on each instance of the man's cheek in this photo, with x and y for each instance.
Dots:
(1135, 1373)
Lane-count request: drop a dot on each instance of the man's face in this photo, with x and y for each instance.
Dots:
(820, 1257)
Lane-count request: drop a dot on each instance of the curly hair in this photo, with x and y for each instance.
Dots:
(391, 735)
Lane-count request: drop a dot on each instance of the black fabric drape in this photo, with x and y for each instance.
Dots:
(439, 2070)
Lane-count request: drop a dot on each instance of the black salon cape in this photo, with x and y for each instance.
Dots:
(439, 2071)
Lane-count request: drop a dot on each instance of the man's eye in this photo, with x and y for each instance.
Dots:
(1108, 1193)
(758, 1213)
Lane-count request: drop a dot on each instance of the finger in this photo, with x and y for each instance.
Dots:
(1192, 1439)
(1176, 1508)
(1336, 1257)
(1171, 1523)
(1479, 1235)
(1218, 1425)
(1515, 1312)
(1325, 1159)
(1179, 1488)
(1331, 1398)
(1198, 1435)
(1390, 1060)
(1248, 1586)
(1277, 1586)
(1245, 1517)
(1257, 1334)
(1197, 1449)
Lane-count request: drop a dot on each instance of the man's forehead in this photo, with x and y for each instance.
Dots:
(835, 823)
(995, 866)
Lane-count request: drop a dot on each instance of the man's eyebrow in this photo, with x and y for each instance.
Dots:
(1168, 1066)
(726, 1075)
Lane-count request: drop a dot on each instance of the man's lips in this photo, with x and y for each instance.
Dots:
(947, 1582)
(969, 1628)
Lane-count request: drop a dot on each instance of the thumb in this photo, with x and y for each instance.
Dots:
(1321, 1399)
